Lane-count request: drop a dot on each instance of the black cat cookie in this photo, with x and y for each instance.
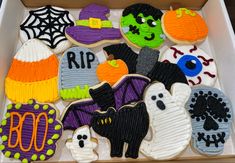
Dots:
(128, 125)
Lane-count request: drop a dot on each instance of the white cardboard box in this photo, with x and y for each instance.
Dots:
(220, 44)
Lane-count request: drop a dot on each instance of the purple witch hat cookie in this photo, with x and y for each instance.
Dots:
(93, 28)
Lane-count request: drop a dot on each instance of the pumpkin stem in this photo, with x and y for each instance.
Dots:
(113, 63)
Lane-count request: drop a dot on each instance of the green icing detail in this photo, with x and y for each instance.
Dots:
(51, 111)
(0, 130)
(25, 160)
(4, 122)
(149, 36)
(7, 115)
(2, 147)
(30, 102)
(36, 106)
(42, 157)
(50, 152)
(50, 120)
(45, 107)
(7, 154)
(9, 106)
(4, 138)
(17, 155)
(75, 93)
(57, 127)
(34, 157)
(18, 105)
(113, 63)
(49, 141)
(55, 136)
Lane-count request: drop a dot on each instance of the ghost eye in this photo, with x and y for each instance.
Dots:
(151, 23)
(140, 20)
(84, 137)
(153, 97)
(160, 95)
(79, 137)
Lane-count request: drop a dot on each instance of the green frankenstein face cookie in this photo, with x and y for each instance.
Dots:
(141, 25)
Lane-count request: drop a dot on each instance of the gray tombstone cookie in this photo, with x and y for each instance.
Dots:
(77, 73)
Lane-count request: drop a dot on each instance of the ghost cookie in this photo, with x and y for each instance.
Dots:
(82, 145)
(47, 24)
(77, 72)
(93, 28)
(184, 26)
(141, 26)
(170, 122)
(211, 115)
(33, 74)
(198, 67)
(128, 125)
(29, 132)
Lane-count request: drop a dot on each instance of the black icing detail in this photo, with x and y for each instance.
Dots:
(209, 107)
(161, 105)
(154, 97)
(150, 38)
(49, 22)
(212, 139)
(190, 65)
(160, 95)
(167, 73)
(81, 143)
(90, 58)
(103, 96)
(139, 20)
(81, 139)
(71, 59)
(125, 53)
(128, 125)
(145, 9)
(134, 29)
(151, 23)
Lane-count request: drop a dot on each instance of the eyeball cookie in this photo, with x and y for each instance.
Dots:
(141, 26)
(183, 26)
(198, 67)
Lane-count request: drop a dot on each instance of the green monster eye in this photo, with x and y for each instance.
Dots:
(151, 23)
(140, 20)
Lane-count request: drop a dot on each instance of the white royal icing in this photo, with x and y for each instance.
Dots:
(171, 125)
(82, 146)
(207, 74)
(33, 51)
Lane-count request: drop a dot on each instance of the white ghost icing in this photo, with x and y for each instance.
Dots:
(170, 122)
(82, 146)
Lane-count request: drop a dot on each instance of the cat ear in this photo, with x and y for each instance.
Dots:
(141, 105)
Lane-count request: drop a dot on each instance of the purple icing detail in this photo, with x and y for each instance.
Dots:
(130, 89)
(94, 11)
(87, 35)
(27, 131)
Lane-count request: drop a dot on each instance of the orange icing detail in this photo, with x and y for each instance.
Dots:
(111, 74)
(20, 133)
(183, 25)
(12, 129)
(19, 127)
(34, 71)
(45, 132)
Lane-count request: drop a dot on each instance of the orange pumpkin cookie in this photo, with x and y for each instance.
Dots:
(184, 26)
(111, 71)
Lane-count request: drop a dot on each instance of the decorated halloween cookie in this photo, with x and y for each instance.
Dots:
(128, 89)
(141, 25)
(33, 74)
(29, 132)
(128, 125)
(77, 73)
(47, 24)
(211, 115)
(111, 71)
(93, 28)
(82, 145)
(198, 67)
(170, 122)
(184, 26)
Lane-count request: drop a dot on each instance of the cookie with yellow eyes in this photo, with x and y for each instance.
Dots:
(198, 67)
(141, 26)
